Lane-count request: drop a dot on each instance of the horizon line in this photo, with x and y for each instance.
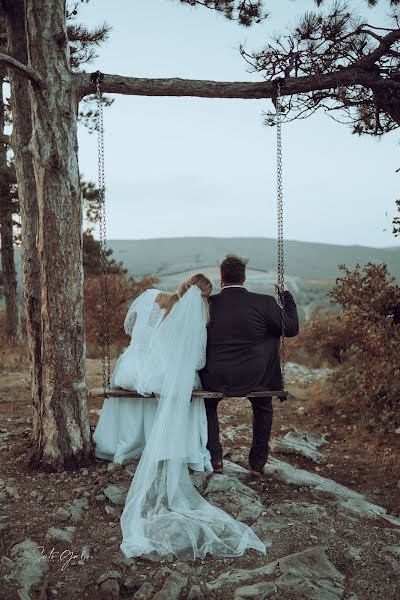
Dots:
(272, 239)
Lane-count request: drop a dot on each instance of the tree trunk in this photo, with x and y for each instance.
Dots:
(20, 139)
(12, 322)
(61, 434)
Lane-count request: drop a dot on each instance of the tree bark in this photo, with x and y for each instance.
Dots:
(136, 86)
(12, 322)
(20, 140)
(61, 433)
(12, 329)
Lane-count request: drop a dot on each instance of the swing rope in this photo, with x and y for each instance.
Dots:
(105, 328)
(280, 238)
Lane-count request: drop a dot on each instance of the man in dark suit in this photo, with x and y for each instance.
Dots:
(243, 355)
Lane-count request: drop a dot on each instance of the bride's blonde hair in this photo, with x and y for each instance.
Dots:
(202, 282)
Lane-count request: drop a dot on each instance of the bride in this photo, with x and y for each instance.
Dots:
(125, 423)
(164, 514)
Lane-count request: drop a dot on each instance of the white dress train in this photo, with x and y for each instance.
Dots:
(164, 514)
(125, 424)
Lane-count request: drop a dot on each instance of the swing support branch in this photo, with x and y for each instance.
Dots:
(139, 86)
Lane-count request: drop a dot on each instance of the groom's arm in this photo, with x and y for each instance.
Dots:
(274, 316)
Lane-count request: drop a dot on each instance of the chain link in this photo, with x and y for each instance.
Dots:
(105, 330)
(281, 262)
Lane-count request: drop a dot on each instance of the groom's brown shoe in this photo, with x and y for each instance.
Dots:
(255, 472)
(217, 465)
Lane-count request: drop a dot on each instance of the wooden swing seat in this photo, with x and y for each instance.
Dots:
(98, 392)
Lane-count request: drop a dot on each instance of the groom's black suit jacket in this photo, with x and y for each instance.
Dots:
(243, 341)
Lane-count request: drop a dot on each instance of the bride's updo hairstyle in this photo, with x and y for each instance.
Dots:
(202, 282)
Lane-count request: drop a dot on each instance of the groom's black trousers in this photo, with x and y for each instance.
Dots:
(262, 422)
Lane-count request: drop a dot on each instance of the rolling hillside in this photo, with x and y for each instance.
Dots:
(311, 269)
(303, 259)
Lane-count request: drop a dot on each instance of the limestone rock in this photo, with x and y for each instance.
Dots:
(116, 493)
(27, 570)
(235, 497)
(300, 443)
(348, 500)
(194, 592)
(239, 575)
(13, 492)
(199, 478)
(110, 587)
(145, 592)
(310, 574)
(162, 573)
(77, 508)
(108, 575)
(61, 514)
(59, 535)
(172, 588)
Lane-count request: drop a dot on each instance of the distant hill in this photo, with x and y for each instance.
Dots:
(305, 260)
(311, 269)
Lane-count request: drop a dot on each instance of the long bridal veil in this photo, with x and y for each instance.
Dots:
(164, 513)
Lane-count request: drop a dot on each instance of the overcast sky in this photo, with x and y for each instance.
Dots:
(198, 167)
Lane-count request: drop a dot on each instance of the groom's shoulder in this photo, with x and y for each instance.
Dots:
(249, 297)
(214, 297)
(260, 298)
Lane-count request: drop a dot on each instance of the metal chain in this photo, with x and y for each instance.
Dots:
(281, 262)
(105, 330)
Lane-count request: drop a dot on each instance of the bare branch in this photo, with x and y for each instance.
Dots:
(134, 86)
(21, 69)
(384, 46)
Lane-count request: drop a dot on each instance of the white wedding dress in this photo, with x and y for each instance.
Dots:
(125, 424)
(164, 514)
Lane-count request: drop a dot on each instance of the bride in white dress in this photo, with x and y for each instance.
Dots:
(164, 514)
(125, 423)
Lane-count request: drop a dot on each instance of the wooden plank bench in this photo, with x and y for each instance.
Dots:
(98, 392)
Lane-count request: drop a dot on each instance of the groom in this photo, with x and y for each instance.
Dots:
(243, 355)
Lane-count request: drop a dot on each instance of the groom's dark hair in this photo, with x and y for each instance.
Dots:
(233, 270)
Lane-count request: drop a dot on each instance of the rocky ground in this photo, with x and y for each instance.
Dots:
(327, 508)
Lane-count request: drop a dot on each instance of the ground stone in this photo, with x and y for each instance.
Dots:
(347, 499)
(59, 535)
(300, 443)
(61, 514)
(310, 572)
(77, 508)
(111, 588)
(235, 497)
(108, 575)
(13, 492)
(116, 493)
(194, 592)
(145, 592)
(172, 588)
(162, 573)
(27, 570)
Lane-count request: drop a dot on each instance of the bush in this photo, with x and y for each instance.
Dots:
(121, 290)
(363, 341)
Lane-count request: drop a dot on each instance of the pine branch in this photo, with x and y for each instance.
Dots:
(21, 69)
(246, 12)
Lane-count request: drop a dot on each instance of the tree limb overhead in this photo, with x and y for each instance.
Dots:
(21, 69)
(139, 86)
